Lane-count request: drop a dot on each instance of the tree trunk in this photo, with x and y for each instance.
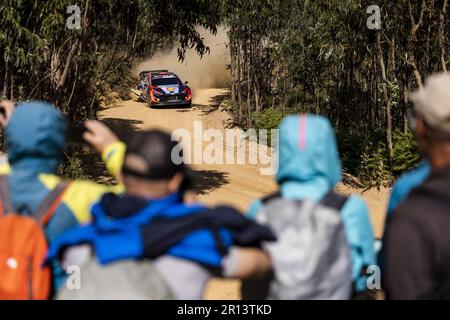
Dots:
(412, 38)
(442, 16)
(249, 85)
(5, 80)
(384, 87)
(232, 67)
(239, 79)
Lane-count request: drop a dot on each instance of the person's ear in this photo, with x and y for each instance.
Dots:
(175, 183)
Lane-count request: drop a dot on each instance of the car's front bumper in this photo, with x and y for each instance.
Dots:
(171, 101)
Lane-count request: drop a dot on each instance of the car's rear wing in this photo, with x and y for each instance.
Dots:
(142, 74)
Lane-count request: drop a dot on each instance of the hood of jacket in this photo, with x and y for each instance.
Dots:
(35, 137)
(309, 163)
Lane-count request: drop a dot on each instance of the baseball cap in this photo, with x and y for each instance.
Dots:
(432, 101)
(149, 156)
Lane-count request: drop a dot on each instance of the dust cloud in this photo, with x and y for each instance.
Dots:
(206, 72)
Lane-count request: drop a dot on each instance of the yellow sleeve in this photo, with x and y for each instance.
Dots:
(4, 165)
(4, 169)
(113, 156)
(80, 195)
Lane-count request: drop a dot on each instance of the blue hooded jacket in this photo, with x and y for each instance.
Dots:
(117, 239)
(404, 185)
(130, 227)
(309, 166)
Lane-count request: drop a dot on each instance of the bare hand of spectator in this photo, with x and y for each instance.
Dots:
(6, 110)
(99, 135)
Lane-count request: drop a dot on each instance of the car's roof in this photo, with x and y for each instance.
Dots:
(157, 74)
(163, 75)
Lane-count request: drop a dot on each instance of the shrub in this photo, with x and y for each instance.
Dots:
(267, 119)
(374, 169)
(73, 167)
(406, 152)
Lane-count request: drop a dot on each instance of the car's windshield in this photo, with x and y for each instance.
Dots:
(166, 82)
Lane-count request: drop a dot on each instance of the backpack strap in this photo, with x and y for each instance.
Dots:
(6, 205)
(270, 197)
(48, 206)
(334, 200)
(331, 199)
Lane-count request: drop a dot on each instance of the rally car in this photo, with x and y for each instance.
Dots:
(164, 88)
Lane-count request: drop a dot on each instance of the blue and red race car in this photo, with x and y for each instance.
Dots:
(164, 88)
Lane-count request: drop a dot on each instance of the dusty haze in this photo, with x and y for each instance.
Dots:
(206, 72)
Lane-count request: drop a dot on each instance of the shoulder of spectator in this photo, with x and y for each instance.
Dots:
(407, 223)
(254, 208)
(226, 208)
(409, 212)
(4, 165)
(355, 216)
(80, 194)
(406, 183)
(399, 191)
(355, 206)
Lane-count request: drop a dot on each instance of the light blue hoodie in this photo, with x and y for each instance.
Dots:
(309, 166)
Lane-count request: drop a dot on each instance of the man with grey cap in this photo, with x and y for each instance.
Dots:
(417, 236)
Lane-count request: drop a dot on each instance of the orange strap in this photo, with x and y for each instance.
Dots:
(48, 207)
(44, 211)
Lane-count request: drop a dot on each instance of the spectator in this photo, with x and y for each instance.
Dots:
(187, 242)
(35, 136)
(309, 169)
(417, 238)
(400, 191)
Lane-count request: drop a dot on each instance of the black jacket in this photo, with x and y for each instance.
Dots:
(418, 242)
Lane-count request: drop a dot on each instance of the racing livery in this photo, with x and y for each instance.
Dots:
(164, 88)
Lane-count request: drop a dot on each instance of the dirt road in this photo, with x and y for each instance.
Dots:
(235, 184)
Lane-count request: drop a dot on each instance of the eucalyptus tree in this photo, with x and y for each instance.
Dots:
(67, 54)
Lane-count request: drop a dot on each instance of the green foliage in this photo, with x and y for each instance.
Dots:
(73, 167)
(350, 146)
(406, 152)
(267, 118)
(287, 56)
(43, 59)
(374, 170)
(320, 57)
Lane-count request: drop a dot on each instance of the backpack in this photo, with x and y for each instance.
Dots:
(23, 247)
(311, 258)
